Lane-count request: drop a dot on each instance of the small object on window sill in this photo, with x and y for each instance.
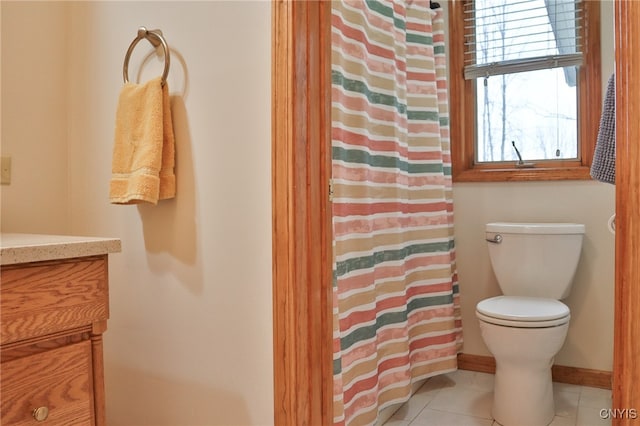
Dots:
(522, 165)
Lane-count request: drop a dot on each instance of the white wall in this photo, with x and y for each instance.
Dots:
(189, 341)
(589, 343)
(34, 117)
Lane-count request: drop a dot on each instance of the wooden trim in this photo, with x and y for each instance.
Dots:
(463, 138)
(590, 90)
(462, 111)
(97, 360)
(302, 322)
(559, 373)
(481, 363)
(626, 348)
(480, 174)
(582, 376)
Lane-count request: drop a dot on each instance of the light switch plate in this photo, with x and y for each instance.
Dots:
(5, 170)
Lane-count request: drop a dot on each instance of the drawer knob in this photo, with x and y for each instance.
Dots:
(41, 414)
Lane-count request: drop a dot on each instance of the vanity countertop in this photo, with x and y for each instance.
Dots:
(24, 248)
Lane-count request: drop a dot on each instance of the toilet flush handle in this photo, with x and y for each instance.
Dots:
(497, 239)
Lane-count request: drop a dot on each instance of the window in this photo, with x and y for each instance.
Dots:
(525, 81)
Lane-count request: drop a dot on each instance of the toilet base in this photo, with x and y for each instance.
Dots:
(523, 389)
(523, 397)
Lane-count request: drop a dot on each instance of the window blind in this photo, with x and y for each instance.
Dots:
(503, 36)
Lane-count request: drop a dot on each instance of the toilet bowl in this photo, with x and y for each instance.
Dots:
(526, 327)
(523, 334)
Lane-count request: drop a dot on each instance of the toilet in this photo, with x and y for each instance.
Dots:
(526, 326)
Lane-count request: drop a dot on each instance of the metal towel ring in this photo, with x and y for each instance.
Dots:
(156, 39)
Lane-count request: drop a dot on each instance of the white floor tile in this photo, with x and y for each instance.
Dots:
(588, 416)
(557, 421)
(429, 417)
(595, 398)
(563, 421)
(420, 398)
(566, 403)
(462, 377)
(463, 400)
(408, 411)
(484, 381)
(472, 379)
(439, 382)
(566, 387)
(395, 422)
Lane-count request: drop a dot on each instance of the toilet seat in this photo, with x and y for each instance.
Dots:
(523, 312)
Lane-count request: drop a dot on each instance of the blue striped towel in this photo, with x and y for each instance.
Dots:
(603, 167)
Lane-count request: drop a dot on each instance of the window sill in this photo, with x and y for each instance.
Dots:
(529, 174)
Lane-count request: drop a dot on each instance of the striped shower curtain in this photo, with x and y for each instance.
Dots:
(396, 308)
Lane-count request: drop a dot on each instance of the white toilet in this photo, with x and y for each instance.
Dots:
(526, 327)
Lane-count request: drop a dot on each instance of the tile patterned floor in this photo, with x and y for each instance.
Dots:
(464, 398)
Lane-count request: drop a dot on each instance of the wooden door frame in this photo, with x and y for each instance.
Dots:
(626, 348)
(301, 165)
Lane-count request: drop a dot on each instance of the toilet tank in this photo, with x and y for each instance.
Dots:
(535, 259)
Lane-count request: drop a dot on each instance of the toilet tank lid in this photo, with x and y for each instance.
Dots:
(535, 228)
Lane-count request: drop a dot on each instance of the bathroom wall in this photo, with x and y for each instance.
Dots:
(189, 341)
(34, 117)
(589, 343)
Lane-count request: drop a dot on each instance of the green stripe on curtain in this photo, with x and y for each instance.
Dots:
(357, 156)
(366, 262)
(387, 11)
(360, 87)
(420, 39)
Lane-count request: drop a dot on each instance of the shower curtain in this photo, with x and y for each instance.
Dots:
(396, 309)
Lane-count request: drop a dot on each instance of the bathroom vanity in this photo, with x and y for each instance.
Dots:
(54, 306)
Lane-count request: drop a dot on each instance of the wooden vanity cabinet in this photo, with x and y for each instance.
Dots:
(52, 316)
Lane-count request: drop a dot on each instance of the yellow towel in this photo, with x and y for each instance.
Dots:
(144, 148)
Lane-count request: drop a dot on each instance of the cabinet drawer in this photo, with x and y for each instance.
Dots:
(59, 379)
(47, 297)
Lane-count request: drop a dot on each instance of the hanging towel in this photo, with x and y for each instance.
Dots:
(603, 167)
(143, 152)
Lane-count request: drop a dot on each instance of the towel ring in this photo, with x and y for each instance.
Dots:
(156, 39)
